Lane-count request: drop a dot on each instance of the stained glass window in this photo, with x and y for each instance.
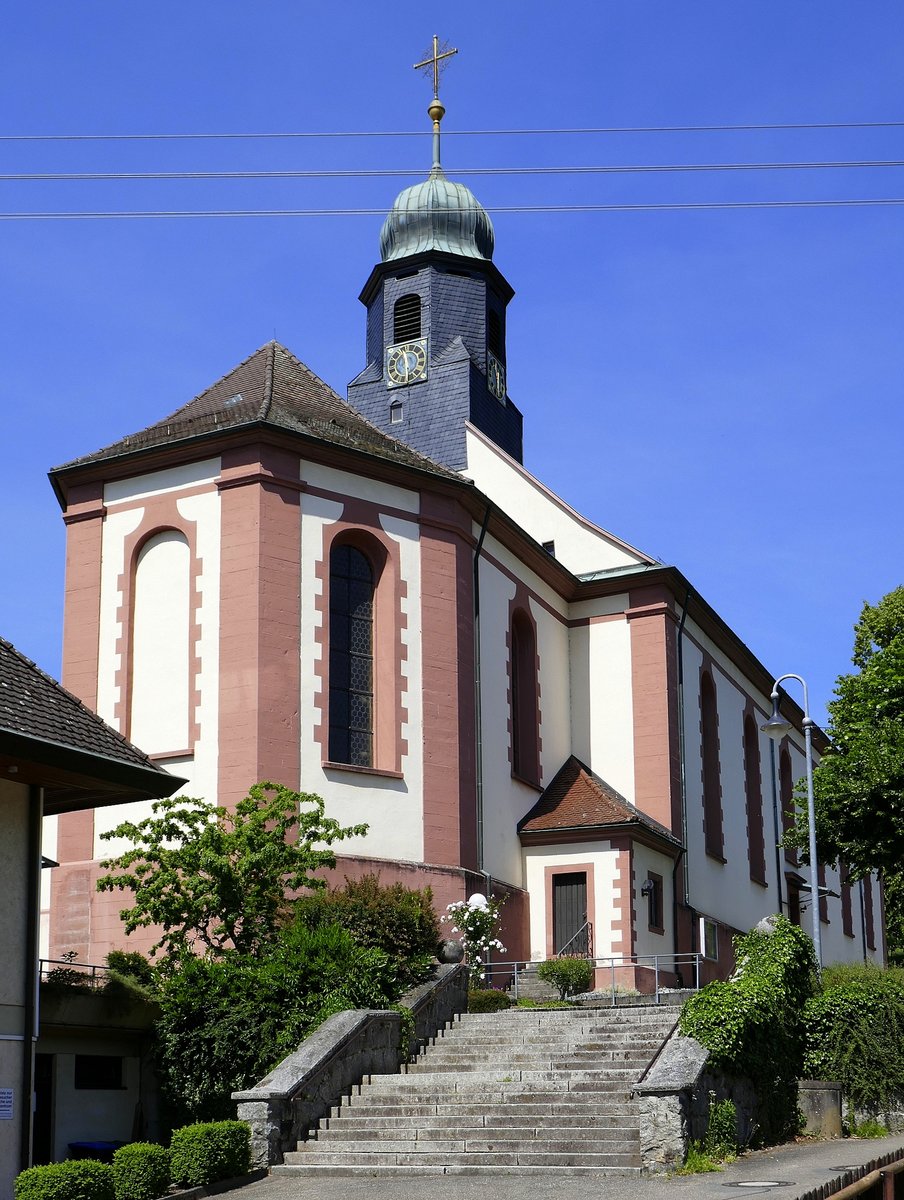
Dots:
(351, 657)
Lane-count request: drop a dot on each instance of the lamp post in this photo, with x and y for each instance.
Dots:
(776, 728)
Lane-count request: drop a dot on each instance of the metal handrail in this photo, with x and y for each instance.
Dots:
(95, 973)
(657, 963)
(588, 953)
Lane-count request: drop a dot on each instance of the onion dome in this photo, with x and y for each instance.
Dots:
(437, 215)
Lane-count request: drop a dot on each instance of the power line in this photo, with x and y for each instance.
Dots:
(514, 208)
(392, 133)
(653, 168)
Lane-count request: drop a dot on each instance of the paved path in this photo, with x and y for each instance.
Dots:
(796, 1169)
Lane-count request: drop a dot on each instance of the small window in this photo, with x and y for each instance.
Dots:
(98, 1073)
(652, 889)
(709, 939)
(494, 333)
(406, 318)
(396, 413)
(550, 548)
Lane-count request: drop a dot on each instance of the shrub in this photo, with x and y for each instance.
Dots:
(205, 1153)
(569, 975)
(721, 1140)
(854, 1032)
(141, 1171)
(131, 965)
(398, 920)
(484, 1000)
(79, 1179)
(225, 1023)
(752, 1025)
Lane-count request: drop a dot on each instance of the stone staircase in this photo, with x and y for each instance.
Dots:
(522, 1091)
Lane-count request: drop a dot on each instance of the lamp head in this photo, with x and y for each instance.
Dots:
(776, 727)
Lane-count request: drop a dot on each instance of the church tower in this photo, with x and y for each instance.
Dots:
(436, 316)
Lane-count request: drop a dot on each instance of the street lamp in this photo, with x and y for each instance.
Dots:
(776, 728)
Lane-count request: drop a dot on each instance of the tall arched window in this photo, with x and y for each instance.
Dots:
(351, 657)
(525, 706)
(712, 785)
(161, 618)
(756, 843)
(786, 798)
(406, 318)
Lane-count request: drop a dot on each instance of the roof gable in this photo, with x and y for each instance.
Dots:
(576, 798)
(273, 388)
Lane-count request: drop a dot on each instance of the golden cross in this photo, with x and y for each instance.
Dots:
(435, 63)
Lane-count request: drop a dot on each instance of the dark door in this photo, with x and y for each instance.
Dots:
(42, 1132)
(569, 913)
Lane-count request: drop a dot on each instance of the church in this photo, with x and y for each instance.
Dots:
(375, 600)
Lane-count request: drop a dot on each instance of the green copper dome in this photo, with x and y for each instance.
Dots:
(437, 215)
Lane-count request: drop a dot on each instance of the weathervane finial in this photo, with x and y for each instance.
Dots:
(434, 63)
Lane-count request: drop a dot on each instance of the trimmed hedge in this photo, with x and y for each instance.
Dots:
(484, 1000)
(569, 975)
(141, 1171)
(78, 1179)
(210, 1151)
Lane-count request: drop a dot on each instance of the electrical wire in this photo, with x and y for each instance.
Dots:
(372, 133)
(514, 208)
(655, 168)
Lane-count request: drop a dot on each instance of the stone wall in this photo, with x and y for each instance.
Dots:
(336, 1057)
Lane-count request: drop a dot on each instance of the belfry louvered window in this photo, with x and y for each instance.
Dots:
(494, 333)
(406, 318)
(351, 657)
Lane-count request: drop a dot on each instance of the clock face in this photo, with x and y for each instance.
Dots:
(406, 363)
(496, 376)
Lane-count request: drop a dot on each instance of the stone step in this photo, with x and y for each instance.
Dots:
(512, 1158)
(441, 1128)
(467, 1145)
(462, 1060)
(605, 1108)
(423, 1077)
(318, 1170)
(599, 1125)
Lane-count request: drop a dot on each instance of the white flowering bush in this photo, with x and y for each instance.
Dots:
(475, 919)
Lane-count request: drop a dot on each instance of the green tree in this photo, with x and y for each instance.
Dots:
(215, 880)
(859, 784)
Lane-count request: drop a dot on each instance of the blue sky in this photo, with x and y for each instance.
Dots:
(723, 388)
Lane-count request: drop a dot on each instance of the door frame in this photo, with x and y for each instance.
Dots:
(568, 869)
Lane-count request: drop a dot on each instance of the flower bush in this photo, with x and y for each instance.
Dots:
(475, 919)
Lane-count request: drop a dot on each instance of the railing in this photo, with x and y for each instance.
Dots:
(67, 972)
(581, 943)
(659, 971)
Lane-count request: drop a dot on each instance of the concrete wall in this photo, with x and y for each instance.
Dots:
(13, 981)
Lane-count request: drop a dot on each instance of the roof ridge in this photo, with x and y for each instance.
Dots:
(267, 398)
(75, 701)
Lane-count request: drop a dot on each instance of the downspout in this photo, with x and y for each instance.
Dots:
(478, 720)
(32, 919)
(682, 767)
(778, 852)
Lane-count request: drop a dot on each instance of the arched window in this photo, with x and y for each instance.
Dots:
(712, 786)
(351, 738)
(160, 644)
(406, 318)
(525, 705)
(786, 798)
(756, 843)
(494, 333)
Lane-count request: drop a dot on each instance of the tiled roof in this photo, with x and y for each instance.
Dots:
(34, 705)
(578, 799)
(275, 388)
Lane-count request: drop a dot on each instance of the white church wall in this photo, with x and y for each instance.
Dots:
(602, 883)
(649, 862)
(344, 483)
(579, 545)
(392, 808)
(611, 705)
(555, 689)
(158, 483)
